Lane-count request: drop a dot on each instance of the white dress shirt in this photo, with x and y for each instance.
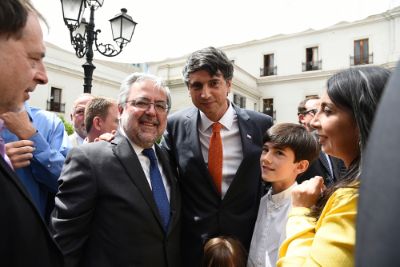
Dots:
(270, 229)
(231, 144)
(75, 139)
(145, 162)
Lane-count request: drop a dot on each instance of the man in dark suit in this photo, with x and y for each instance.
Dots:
(220, 191)
(326, 166)
(117, 204)
(24, 237)
(378, 234)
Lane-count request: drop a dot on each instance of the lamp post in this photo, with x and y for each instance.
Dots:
(83, 35)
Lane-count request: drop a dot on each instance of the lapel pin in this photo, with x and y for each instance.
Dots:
(248, 136)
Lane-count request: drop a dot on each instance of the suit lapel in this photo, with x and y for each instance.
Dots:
(13, 177)
(246, 131)
(130, 162)
(191, 124)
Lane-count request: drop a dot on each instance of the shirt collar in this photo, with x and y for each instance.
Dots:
(281, 196)
(226, 120)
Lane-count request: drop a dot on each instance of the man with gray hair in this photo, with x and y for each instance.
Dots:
(24, 238)
(78, 119)
(101, 116)
(118, 202)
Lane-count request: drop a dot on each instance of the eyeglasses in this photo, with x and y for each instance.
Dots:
(311, 111)
(144, 104)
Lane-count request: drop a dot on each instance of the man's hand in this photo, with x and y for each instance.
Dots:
(19, 124)
(308, 192)
(108, 137)
(20, 153)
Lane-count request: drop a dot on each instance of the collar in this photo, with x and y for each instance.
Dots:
(226, 120)
(280, 197)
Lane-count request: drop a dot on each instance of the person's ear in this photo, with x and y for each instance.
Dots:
(302, 166)
(120, 110)
(229, 84)
(301, 119)
(97, 122)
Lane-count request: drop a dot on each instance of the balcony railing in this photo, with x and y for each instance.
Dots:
(312, 65)
(361, 60)
(55, 106)
(268, 71)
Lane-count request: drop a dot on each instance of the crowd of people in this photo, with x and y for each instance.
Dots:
(212, 185)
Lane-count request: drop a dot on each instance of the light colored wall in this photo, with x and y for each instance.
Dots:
(65, 71)
(287, 88)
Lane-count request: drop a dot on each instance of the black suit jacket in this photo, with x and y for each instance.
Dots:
(378, 234)
(204, 214)
(105, 213)
(24, 238)
(319, 167)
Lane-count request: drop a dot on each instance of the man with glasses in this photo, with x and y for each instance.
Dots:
(118, 202)
(326, 166)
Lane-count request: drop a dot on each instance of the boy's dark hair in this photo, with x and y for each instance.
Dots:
(295, 137)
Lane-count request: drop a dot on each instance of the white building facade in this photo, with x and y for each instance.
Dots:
(271, 75)
(274, 74)
(65, 74)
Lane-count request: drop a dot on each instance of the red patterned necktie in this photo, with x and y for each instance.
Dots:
(215, 155)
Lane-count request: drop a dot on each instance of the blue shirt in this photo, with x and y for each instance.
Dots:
(51, 147)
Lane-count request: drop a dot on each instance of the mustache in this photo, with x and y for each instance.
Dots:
(148, 119)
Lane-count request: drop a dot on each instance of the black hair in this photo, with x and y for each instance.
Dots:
(357, 91)
(296, 137)
(211, 60)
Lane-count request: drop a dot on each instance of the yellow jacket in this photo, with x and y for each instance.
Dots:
(327, 242)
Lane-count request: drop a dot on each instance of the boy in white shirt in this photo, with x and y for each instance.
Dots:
(287, 152)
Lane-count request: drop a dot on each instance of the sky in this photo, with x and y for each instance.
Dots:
(174, 28)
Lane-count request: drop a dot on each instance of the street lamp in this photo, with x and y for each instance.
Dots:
(83, 34)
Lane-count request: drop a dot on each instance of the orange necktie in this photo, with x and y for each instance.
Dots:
(215, 155)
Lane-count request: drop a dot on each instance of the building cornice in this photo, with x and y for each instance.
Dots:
(388, 15)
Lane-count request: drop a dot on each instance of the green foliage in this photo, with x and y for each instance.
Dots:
(68, 126)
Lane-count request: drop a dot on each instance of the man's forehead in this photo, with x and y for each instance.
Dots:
(312, 103)
(204, 74)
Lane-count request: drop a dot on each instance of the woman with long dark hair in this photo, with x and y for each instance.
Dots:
(321, 225)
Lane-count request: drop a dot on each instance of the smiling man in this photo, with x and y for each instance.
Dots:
(118, 201)
(216, 147)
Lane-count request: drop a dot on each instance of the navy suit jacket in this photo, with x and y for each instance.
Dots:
(204, 214)
(24, 238)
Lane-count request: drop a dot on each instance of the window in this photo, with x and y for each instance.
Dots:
(268, 107)
(239, 100)
(268, 68)
(55, 101)
(361, 52)
(312, 62)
